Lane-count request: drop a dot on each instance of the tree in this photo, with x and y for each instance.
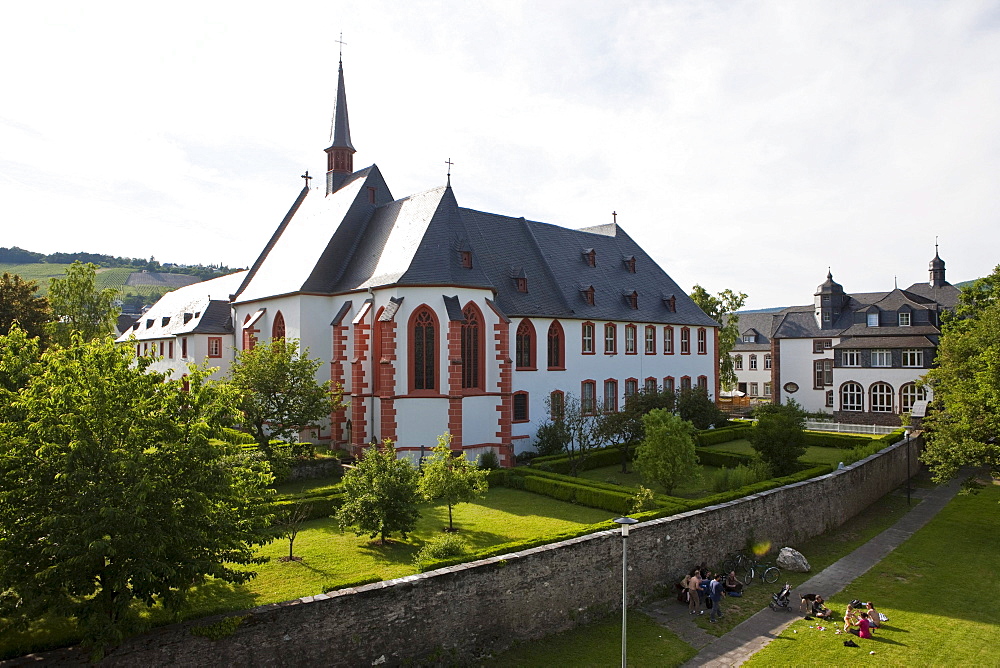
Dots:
(280, 396)
(667, 455)
(18, 303)
(625, 429)
(288, 524)
(964, 426)
(79, 306)
(381, 494)
(580, 423)
(723, 308)
(452, 478)
(778, 437)
(113, 496)
(695, 406)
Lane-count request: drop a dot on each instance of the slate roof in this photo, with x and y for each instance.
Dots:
(760, 323)
(340, 243)
(206, 305)
(886, 342)
(946, 295)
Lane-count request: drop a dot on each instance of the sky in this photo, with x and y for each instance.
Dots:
(745, 145)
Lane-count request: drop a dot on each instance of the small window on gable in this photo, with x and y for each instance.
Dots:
(521, 284)
(873, 319)
(466, 259)
(632, 299)
(671, 303)
(149, 322)
(590, 257)
(588, 295)
(371, 194)
(630, 264)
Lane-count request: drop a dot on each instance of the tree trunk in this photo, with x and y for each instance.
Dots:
(451, 526)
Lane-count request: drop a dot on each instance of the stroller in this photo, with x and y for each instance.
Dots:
(780, 600)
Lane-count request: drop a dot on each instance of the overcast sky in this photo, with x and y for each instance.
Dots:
(744, 145)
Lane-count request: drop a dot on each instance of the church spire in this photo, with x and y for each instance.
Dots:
(937, 269)
(340, 154)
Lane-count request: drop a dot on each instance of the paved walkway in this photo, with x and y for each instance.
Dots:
(736, 646)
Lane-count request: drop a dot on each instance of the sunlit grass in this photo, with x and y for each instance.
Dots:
(812, 454)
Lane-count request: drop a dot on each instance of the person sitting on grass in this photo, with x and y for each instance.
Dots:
(864, 626)
(819, 608)
(874, 618)
(732, 584)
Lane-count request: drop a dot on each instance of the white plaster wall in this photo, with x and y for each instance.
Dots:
(797, 359)
(868, 376)
(421, 421)
(760, 375)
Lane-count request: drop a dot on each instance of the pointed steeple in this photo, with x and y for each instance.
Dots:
(340, 154)
(937, 270)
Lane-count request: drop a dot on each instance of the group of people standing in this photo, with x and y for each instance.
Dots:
(703, 589)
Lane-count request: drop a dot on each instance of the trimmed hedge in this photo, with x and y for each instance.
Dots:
(823, 439)
(317, 506)
(721, 459)
(707, 437)
(756, 488)
(596, 459)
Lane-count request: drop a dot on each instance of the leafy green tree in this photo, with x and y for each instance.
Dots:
(381, 494)
(580, 427)
(79, 306)
(723, 308)
(667, 454)
(20, 304)
(964, 427)
(695, 406)
(625, 429)
(778, 437)
(452, 478)
(280, 395)
(113, 496)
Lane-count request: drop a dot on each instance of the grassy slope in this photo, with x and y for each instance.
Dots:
(938, 589)
(109, 277)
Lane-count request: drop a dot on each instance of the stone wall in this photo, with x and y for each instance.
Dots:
(472, 609)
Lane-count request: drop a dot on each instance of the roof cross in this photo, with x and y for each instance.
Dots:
(341, 42)
(614, 217)
(449, 163)
(307, 178)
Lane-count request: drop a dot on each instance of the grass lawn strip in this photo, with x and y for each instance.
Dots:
(813, 453)
(938, 590)
(649, 644)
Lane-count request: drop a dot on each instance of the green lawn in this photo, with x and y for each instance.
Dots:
(690, 489)
(590, 644)
(333, 557)
(915, 587)
(812, 454)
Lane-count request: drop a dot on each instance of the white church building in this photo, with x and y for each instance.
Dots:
(437, 318)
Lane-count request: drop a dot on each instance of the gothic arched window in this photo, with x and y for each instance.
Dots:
(278, 326)
(473, 352)
(423, 349)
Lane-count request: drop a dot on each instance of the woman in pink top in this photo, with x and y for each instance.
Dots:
(864, 626)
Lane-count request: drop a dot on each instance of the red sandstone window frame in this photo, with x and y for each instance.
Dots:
(170, 349)
(649, 338)
(588, 397)
(588, 332)
(555, 356)
(557, 405)
(685, 383)
(184, 347)
(278, 327)
(423, 317)
(631, 347)
(473, 350)
(519, 397)
(668, 340)
(669, 384)
(215, 346)
(524, 346)
(649, 385)
(610, 338)
(610, 402)
(703, 382)
(702, 341)
(631, 387)
(685, 340)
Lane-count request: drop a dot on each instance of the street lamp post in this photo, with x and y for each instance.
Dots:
(908, 469)
(625, 522)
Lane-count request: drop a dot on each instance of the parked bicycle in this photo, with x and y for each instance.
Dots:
(768, 573)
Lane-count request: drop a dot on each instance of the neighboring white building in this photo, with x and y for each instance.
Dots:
(855, 356)
(437, 318)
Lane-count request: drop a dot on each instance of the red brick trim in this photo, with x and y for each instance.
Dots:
(556, 330)
(360, 385)
(474, 318)
(668, 337)
(635, 339)
(526, 329)
(685, 338)
(593, 409)
(604, 338)
(338, 357)
(213, 342)
(505, 408)
(702, 341)
(583, 338)
(604, 395)
(411, 354)
(645, 332)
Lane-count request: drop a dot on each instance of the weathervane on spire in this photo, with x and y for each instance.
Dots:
(449, 163)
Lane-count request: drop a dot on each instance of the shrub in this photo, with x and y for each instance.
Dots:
(489, 460)
(725, 479)
(442, 547)
(707, 437)
(721, 459)
(551, 438)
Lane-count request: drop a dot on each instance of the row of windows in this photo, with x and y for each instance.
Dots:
(751, 362)
(649, 341)
(911, 357)
(423, 332)
(588, 395)
(250, 333)
(754, 390)
(880, 397)
(166, 347)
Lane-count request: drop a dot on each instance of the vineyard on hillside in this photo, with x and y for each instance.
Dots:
(143, 286)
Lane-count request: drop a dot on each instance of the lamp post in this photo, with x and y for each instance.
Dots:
(908, 466)
(625, 522)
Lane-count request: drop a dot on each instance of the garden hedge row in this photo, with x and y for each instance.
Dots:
(707, 437)
(596, 459)
(316, 506)
(729, 460)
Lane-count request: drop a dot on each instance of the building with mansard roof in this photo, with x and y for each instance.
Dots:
(857, 356)
(436, 318)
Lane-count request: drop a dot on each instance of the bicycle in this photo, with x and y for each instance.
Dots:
(736, 561)
(767, 573)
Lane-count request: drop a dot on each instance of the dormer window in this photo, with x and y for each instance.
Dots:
(749, 338)
(371, 195)
(149, 323)
(465, 257)
(904, 319)
(588, 295)
(590, 257)
(164, 321)
(521, 284)
(671, 303)
(873, 319)
(632, 299)
(630, 263)
(187, 317)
